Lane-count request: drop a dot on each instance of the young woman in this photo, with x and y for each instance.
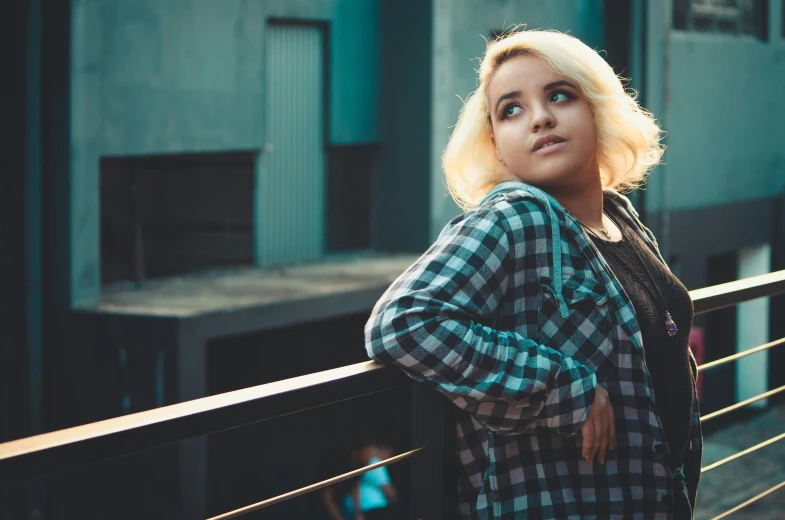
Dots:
(545, 312)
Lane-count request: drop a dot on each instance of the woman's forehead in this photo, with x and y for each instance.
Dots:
(524, 73)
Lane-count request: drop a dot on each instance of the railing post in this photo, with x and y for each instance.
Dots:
(427, 416)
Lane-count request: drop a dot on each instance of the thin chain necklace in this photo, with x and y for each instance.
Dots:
(604, 231)
(670, 325)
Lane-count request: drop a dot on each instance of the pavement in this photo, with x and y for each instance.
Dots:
(733, 483)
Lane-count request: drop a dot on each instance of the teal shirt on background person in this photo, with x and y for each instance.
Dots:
(371, 490)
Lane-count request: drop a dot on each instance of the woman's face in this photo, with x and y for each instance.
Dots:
(543, 126)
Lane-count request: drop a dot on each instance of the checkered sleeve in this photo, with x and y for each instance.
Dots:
(434, 322)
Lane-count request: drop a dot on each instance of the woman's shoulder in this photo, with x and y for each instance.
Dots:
(516, 206)
(513, 209)
(514, 215)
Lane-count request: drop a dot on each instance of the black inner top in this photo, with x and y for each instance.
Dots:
(666, 356)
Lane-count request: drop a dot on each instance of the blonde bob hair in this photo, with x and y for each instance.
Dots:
(628, 138)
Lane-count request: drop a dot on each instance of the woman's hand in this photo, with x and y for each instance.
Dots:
(599, 430)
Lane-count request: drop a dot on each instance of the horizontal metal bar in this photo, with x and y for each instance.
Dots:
(317, 486)
(742, 453)
(742, 404)
(41, 454)
(734, 357)
(750, 501)
(732, 293)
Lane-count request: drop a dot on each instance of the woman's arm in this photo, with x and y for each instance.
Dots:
(433, 323)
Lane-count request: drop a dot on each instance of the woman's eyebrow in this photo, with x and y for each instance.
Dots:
(556, 84)
(508, 95)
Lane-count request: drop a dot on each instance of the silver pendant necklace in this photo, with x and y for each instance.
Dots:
(604, 231)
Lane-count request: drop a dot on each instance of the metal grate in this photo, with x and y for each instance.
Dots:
(735, 17)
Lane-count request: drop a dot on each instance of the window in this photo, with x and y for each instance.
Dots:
(175, 214)
(722, 16)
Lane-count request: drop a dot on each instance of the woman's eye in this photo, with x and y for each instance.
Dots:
(558, 97)
(510, 111)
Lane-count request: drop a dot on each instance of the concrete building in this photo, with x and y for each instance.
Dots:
(209, 191)
(716, 203)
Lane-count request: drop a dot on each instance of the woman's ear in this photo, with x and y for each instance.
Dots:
(498, 154)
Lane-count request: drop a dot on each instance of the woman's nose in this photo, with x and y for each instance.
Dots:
(542, 118)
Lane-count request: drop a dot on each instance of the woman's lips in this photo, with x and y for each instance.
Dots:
(551, 148)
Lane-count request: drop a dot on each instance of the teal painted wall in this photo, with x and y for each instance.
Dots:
(724, 120)
(459, 32)
(185, 76)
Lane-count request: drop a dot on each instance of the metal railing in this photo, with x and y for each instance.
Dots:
(726, 295)
(42, 454)
(51, 452)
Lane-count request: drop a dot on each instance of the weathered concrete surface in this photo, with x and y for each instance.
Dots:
(243, 288)
(737, 481)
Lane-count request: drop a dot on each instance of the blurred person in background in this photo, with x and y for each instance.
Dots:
(545, 311)
(372, 496)
(375, 496)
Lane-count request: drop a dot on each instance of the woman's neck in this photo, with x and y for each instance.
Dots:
(585, 204)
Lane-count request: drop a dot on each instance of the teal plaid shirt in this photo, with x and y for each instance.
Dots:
(514, 315)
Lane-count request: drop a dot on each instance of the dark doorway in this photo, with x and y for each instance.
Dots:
(350, 171)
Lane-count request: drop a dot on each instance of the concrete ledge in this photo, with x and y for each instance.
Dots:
(342, 285)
